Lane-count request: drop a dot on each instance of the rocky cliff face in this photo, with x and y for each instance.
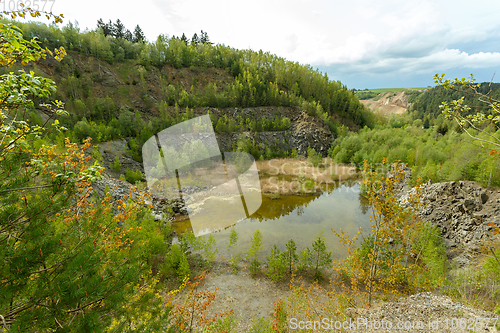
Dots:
(305, 131)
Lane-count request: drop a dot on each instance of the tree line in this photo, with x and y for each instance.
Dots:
(260, 78)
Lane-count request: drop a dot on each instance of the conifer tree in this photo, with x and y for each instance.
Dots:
(110, 29)
(204, 38)
(195, 39)
(138, 35)
(119, 29)
(184, 39)
(128, 36)
(69, 261)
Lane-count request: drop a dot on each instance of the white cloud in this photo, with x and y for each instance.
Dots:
(385, 37)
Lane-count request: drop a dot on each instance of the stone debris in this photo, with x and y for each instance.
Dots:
(463, 211)
(423, 312)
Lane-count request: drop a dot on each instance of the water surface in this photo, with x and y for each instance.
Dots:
(299, 217)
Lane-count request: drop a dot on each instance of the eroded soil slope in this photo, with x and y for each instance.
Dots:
(389, 103)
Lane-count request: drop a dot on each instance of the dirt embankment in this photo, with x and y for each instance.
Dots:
(389, 103)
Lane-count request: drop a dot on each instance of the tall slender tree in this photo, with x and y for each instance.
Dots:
(110, 29)
(119, 29)
(138, 35)
(204, 38)
(195, 39)
(128, 36)
(184, 39)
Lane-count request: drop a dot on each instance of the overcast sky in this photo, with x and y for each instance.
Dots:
(362, 43)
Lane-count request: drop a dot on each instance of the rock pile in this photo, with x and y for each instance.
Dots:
(162, 208)
(464, 212)
(423, 312)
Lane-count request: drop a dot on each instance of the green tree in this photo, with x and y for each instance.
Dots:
(253, 254)
(195, 39)
(68, 260)
(119, 29)
(138, 35)
(459, 111)
(276, 264)
(291, 254)
(320, 256)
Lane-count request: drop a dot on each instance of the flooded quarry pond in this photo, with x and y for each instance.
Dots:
(299, 217)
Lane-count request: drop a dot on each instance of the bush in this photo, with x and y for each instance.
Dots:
(176, 264)
(430, 248)
(276, 264)
(304, 259)
(116, 166)
(313, 157)
(133, 176)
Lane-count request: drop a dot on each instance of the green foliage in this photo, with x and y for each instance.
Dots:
(253, 254)
(71, 262)
(260, 325)
(96, 154)
(259, 78)
(349, 146)
(205, 245)
(320, 257)
(117, 166)
(365, 94)
(176, 264)
(448, 157)
(133, 176)
(432, 251)
(276, 264)
(233, 238)
(254, 124)
(314, 158)
(222, 325)
(304, 259)
(314, 109)
(290, 254)
(235, 257)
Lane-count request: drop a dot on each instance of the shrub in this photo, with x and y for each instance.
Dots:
(133, 176)
(204, 245)
(276, 264)
(304, 258)
(117, 166)
(176, 264)
(313, 157)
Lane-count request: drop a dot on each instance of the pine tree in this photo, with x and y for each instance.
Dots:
(119, 29)
(204, 38)
(291, 254)
(320, 256)
(69, 262)
(101, 25)
(138, 35)
(184, 39)
(128, 36)
(109, 29)
(195, 40)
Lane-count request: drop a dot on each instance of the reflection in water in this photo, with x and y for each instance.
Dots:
(364, 203)
(300, 217)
